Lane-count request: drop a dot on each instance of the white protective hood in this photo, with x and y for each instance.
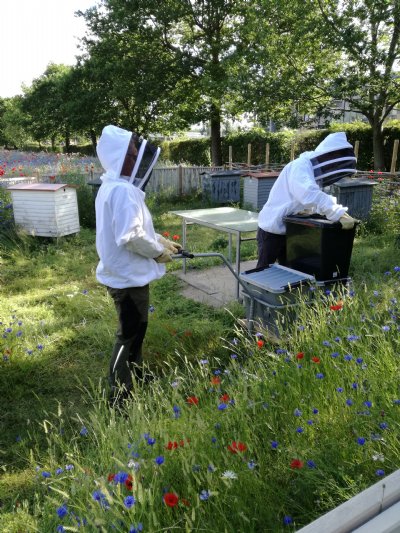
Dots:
(111, 150)
(298, 189)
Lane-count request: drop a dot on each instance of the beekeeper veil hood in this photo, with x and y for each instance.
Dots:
(333, 159)
(112, 149)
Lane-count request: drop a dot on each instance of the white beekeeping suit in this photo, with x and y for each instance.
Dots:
(126, 241)
(299, 185)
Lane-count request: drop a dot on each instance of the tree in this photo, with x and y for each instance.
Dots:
(367, 32)
(173, 55)
(44, 102)
(13, 123)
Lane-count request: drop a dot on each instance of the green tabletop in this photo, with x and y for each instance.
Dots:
(227, 218)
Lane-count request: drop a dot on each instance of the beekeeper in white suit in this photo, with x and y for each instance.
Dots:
(299, 189)
(131, 253)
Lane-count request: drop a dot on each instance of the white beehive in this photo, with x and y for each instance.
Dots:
(45, 209)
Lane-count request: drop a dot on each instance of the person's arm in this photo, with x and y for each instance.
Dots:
(128, 226)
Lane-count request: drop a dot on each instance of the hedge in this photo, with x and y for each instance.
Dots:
(197, 151)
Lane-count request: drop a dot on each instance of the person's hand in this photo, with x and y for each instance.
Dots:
(174, 247)
(347, 221)
(165, 257)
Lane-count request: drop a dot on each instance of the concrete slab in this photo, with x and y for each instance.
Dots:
(214, 286)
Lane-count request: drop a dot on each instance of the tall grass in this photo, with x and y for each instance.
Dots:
(237, 432)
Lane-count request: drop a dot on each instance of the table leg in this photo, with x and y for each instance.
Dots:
(230, 248)
(238, 242)
(184, 244)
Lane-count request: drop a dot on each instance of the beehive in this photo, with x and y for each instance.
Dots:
(45, 209)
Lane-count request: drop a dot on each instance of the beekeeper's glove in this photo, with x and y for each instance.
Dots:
(174, 247)
(347, 221)
(165, 257)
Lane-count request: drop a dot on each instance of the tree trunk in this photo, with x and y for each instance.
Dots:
(93, 140)
(377, 143)
(67, 142)
(215, 124)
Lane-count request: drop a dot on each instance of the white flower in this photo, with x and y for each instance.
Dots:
(228, 474)
(378, 457)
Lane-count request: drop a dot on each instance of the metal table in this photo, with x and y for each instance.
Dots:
(227, 219)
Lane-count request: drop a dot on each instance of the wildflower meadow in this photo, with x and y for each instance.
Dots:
(236, 430)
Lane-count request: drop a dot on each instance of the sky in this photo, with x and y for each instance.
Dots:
(35, 33)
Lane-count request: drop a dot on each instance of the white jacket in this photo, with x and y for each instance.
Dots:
(297, 190)
(125, 238)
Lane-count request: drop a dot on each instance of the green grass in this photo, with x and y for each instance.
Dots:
(215, 384)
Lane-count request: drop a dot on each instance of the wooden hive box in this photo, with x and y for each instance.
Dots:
(257, 186)
(46, 209)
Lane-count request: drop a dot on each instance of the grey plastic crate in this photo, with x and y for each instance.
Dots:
(277, 285)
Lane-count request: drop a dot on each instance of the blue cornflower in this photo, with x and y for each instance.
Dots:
(46, 474)
(151, 441)
(59, 471)
(39, 346)
(18, 334)
(297, 412)
(120, 477)
(287, 520)
(348, 357)
(361, 441)
(97, 495)
(376, 293)
(62, 511)
(349, 401)
(367, 403)
(152, 308)
(352, 338)
(204, 361)
(222, 406)
(380, 472)
(311, 464)
(251, 465)
(211, 468)
(354, 385)
(60, 529)
(69, 467)
(299, 430)
(359, 360)
(326, 343)
(301, 328)
(383, 425)
(159, 460)
(315, 411)
(177, 411)
(204, 495)
(335, 354)
(385, 328)
(310, 422)
(274, 444)
(129, 501)
(217, 372)
(136, 529)
(337, 339)
(396, 269)
(233, 356)
(213, 440)
(320, 375)
(84, 431)
(339, 389)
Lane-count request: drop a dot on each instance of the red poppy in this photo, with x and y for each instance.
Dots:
(171, 445)
(315, 359)
(215, 380)
(129, 482)
(175, 237)
(236, 447)
(182, 443)
(171, 499)
(337, 307)
(224, 398)
(166, 233)
(260, 343)
(296, 464)
(192, 400)
(300, 355)
(110, 477)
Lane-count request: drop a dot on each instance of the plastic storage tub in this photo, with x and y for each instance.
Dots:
(274, 293)
(319, 247)
(222, 187)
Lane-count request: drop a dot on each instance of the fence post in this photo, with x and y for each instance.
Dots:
(292, 152)
(394, 156)
(180, 180)
(249, 154)
(267, 155)
(230, 158)
(356, 148)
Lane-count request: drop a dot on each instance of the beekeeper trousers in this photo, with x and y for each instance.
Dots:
(271, 248)
(132, 306)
